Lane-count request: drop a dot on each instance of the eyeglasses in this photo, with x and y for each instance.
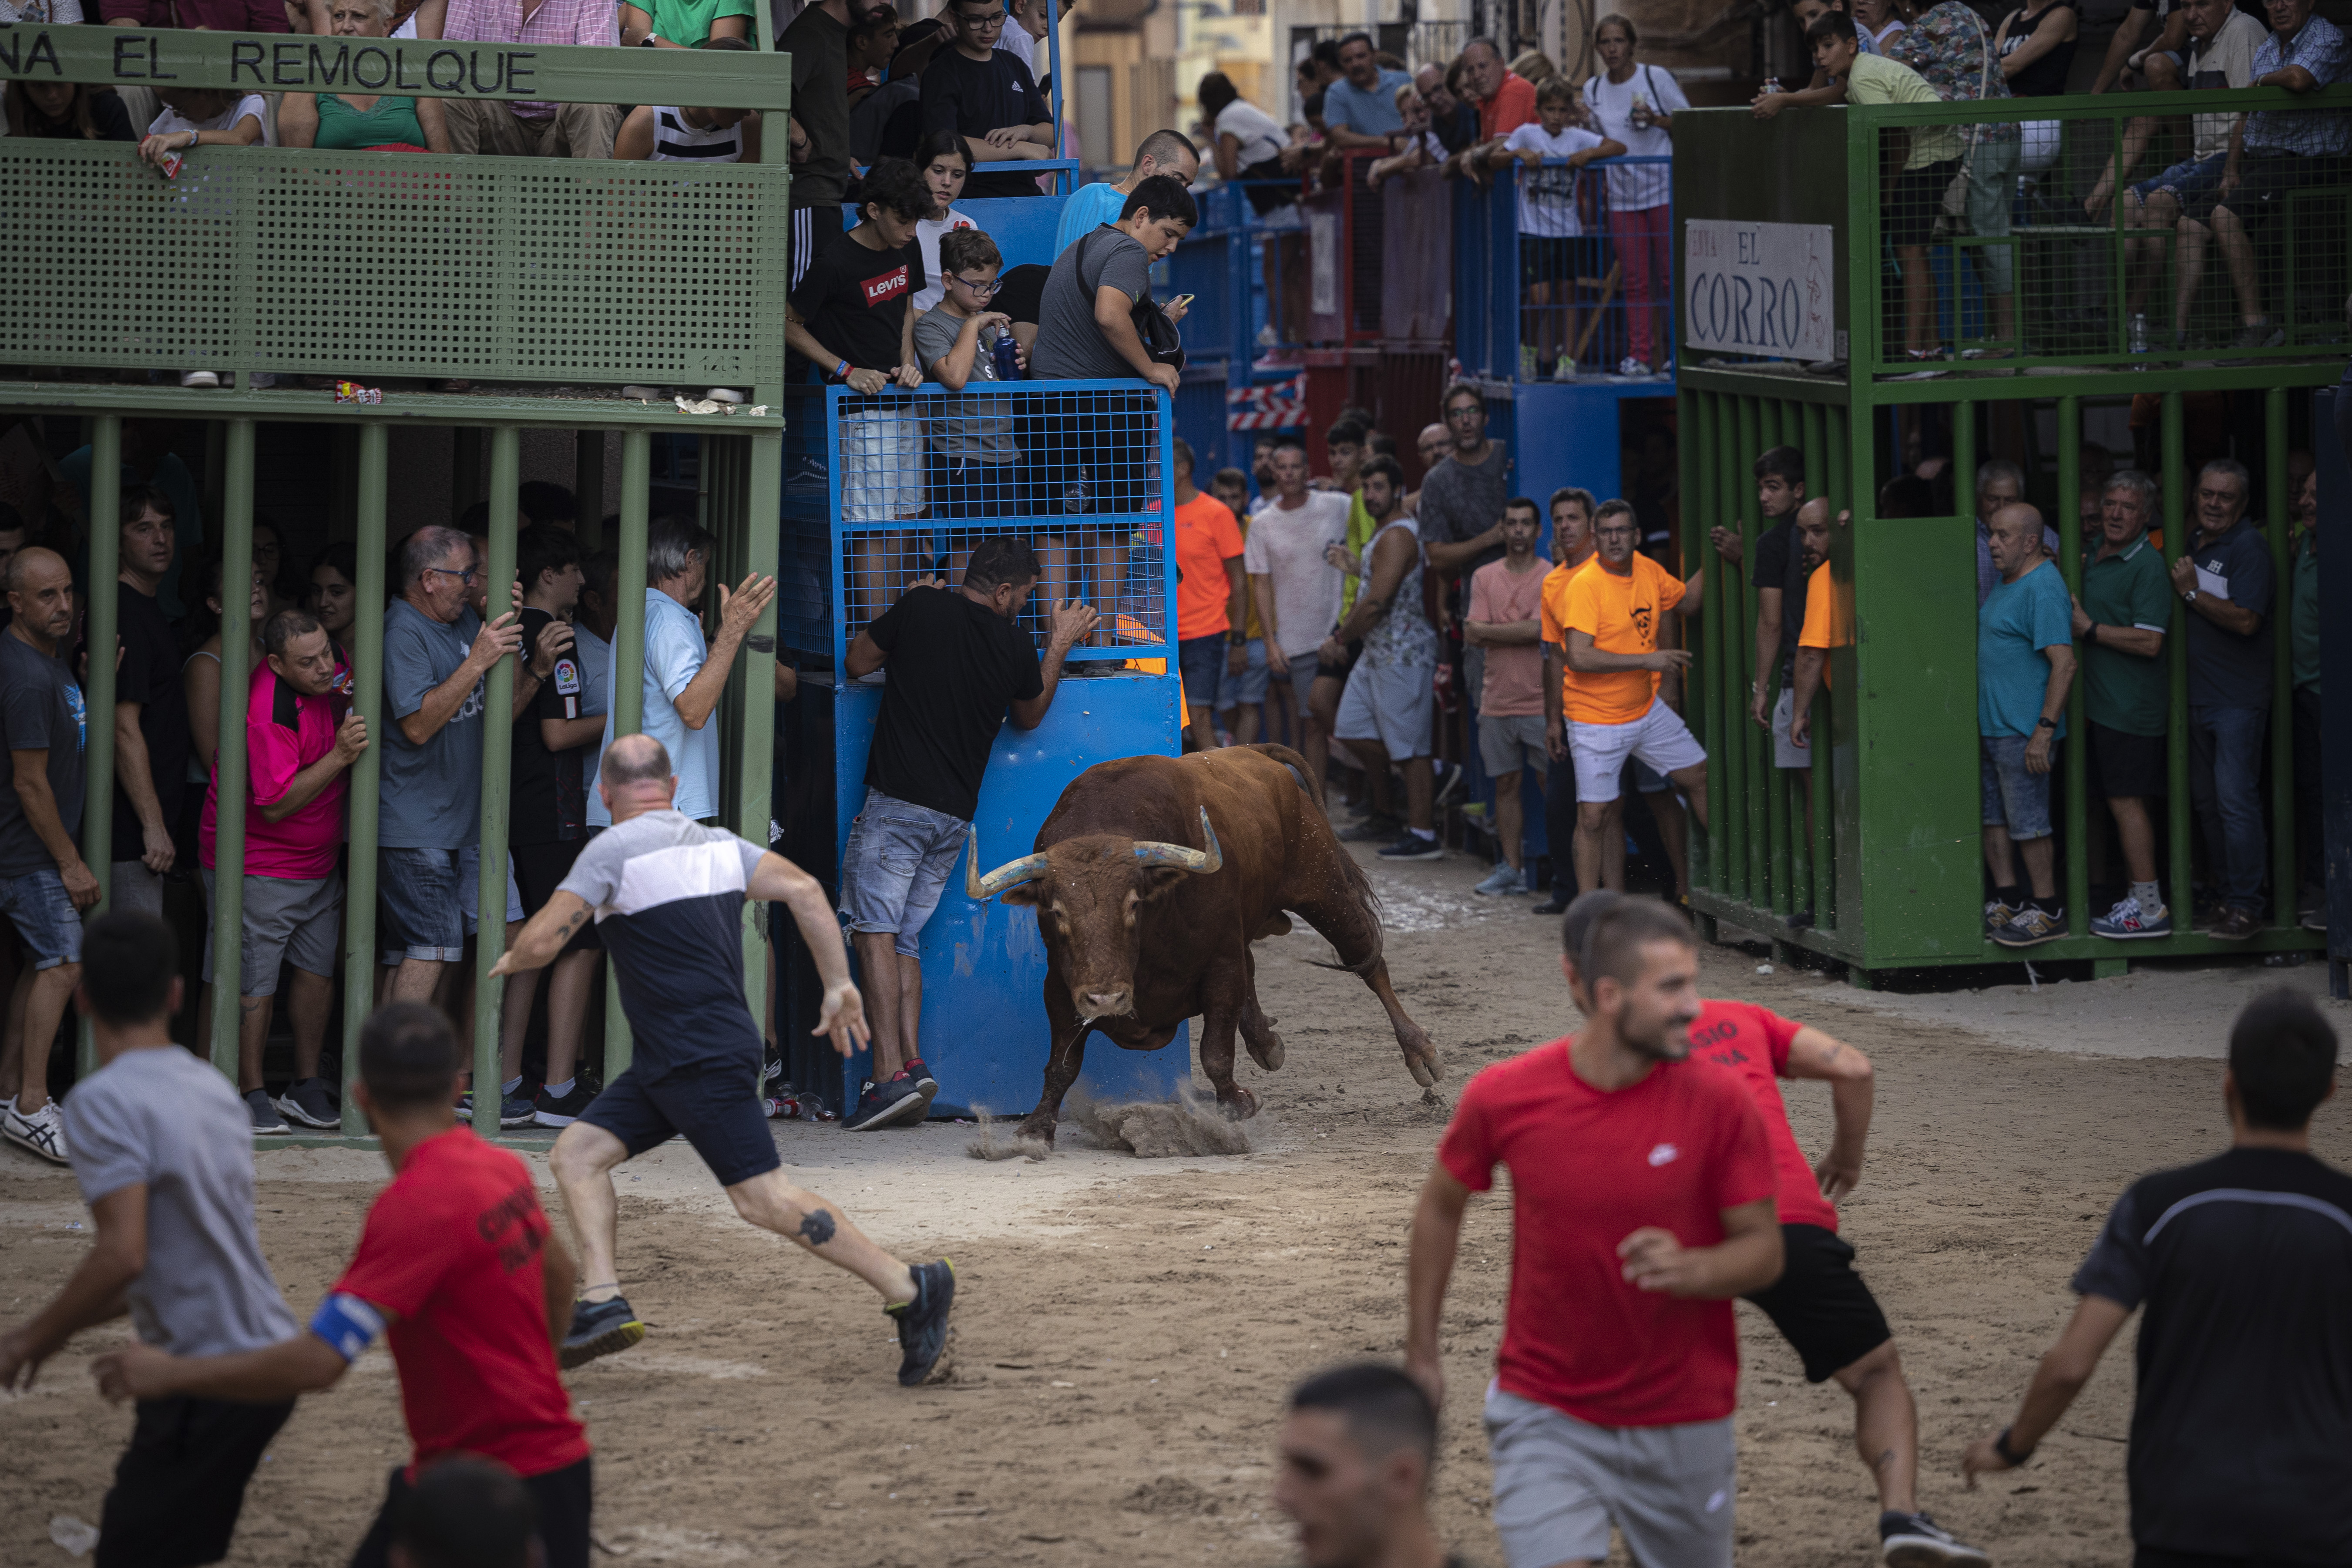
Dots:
(984, 290)
(466, 576)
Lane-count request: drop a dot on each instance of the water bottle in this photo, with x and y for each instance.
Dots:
(1008, 357)
(1771, 84)
(1641, 111)
(2139, 333)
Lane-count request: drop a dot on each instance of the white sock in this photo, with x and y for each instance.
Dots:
(2149, 900)
(512, 1084)
(1425, 833)
(558, 1090)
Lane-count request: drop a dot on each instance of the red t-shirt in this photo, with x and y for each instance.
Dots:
(454, 1247)
(1513, 105)
(1753, 1042)
(1587, 1169)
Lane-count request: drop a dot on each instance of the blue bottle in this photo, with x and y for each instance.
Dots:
(1008, 361)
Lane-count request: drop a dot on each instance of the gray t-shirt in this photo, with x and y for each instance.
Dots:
(41, 709)
(963, 426)
(1070, 346)
(433, 792)
(1461, 501)
(160, 1116)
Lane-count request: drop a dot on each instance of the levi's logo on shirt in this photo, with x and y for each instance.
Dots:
(887, 286)
(1664, 1154)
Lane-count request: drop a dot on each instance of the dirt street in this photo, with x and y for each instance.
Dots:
(1128, 1326)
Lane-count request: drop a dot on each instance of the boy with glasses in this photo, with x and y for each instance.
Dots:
(969, 470)
(987, 96)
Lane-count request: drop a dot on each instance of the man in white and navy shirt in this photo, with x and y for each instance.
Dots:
(667, 893)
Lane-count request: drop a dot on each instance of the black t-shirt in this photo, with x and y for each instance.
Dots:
(974, 98)
(2242, 1428)
(550, 803)
(1793, 583)
(1021, 292)
(855, 299)
(954, 667)
(1776, 548)
(2227, 669)
(149, 674)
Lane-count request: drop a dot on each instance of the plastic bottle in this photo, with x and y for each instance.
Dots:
(2139, 333)
(1008, 357)
(1771, 84)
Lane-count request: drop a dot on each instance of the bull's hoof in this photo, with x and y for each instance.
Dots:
(1040, 1128)
(1239, 1104)
(1421, 1060)
(1266, 1051)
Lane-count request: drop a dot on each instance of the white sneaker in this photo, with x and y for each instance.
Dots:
(199, 378)
(1503, 881)
(1629, 365)
(725, 395)
(43, 1132)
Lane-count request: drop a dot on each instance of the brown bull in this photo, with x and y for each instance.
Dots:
(1144, 931)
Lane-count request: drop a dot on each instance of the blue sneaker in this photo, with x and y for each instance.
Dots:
(1411, 846)
(1504, 880)
(2127, 920)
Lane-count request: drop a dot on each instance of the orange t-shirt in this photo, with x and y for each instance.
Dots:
(1553, 611)
(1622, 616)
(1206, 538)
(1829, 616)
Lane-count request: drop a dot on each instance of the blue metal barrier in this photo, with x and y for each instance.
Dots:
(1525, 302)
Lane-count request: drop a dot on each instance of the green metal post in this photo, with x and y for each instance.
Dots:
(2176, 650)
(97, 751)
(1770, 431)
(2070, 563)
(1696, 423)
(1739, 876)
(1756, 798)
(760, 492)
(497, 770)
(1806, 801)
(235, 680)
(359, 970)
(628, 698)
(1826, 803)
(2283, 824)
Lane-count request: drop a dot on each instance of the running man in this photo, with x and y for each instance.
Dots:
(1641, 1203)
(668, 896)
(162, 1150)
(1820, 1304)
(459, 1270)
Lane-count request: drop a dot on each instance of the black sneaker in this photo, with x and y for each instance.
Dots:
(923, 1329)
(599, 1327)
(1411, 846)
(886, 1105)
(305, 1100)
(925, 1083)
(1374, 828)
(263, 1112)
(1915, 1540)
(553, 1111)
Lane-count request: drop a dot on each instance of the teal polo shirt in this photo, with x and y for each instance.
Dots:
(2122, 691)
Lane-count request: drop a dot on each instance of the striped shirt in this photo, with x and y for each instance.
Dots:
(678, 140)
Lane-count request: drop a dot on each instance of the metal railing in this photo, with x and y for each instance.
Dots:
(1563, 273)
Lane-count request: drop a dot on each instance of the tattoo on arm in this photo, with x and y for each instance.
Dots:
(573, 923)
(817, 1227)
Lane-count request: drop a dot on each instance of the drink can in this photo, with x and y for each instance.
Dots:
(172, 164)
(1008, 357)
(1772, 84)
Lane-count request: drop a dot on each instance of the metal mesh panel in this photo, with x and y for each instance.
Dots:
(403, 263)
(1563, 272)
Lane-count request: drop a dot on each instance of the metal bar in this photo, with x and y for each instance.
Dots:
(588, 487)
(762, 510)
(497, 771)
(1771, 430)
(1807, 801)
(2284, 887)
(2176, 648)
(237, 676)
(1694, 421)
(1738, 880)
(1757, 757)
(628, 694)
(1844, 494)
(360, 968)
(2078, 724)
(103, 615)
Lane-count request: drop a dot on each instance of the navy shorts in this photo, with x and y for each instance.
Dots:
(1201, 662)
(717, 1108)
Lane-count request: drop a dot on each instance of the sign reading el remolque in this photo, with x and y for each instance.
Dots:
(135, 57)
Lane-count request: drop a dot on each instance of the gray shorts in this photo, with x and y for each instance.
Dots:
(1390, 704)
(1302, 668)
(300, 921)
(896, 866)
(1506, 746)
(1560, 1483)
(1787, 753)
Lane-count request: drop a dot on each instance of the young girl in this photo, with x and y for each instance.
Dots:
(944, 163)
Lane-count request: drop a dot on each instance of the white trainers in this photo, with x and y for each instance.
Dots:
(1629, 365)
(199, 378)
(1503, 881)
(43, 1132)
(725, 395)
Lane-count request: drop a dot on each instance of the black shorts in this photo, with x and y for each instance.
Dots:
(563, 1498)
(2267, 179)
(1820, 1304)
(539, 870)
(1546, 258)
(1915, 200)
(2126, 767)
(180, 1485)
(2158, 1557)
(717, 1109)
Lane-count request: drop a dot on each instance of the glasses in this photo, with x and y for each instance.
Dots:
(466, 576)
(985, 291)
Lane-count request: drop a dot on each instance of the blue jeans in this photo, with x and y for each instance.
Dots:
(2013, 798)
(2225, 770)
(895, 868)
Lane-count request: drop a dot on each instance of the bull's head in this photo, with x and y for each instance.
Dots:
(1087, 892)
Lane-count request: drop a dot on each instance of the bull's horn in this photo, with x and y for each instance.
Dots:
(1153, 853)
(1010, 874)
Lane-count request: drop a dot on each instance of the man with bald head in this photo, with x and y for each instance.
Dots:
(2025, 666)
(667, 893)
(44, 886)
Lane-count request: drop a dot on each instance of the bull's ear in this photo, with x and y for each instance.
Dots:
(1021, 893)
(1154, 880)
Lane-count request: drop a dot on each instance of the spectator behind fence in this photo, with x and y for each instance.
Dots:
(888, 121)
(1246, 144)
(1241, 691)
(1295, 590)
(348, 120)
(1504, 617)
(1417, 146)
(1948, 47)
(1634, 106)
(64, 111)
(987, 96)
(2119, 622)
(1506, 99)
(300, 741)
(818, 42)
(525, 129)
(685, 24)
(1999, 483)
(2035, 49)
(945, 164)
(1384, 714)
(44, 886)
(592, 625)
(1828, 623)
(1163, 152)
(1550, 225)
(2226, 582)
(1359, 109)
(148, 459)
(150, 708)
(1357, 1445)
(1032, 20)
(1211, 595)
(679, 134)
(2285, 150)
(2025, 666)
(1461, 514)
(969, 461)
(873, 39)
(1452, 117)
(215, 16)
(1616, 648)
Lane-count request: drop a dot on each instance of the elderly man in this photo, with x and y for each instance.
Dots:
(2025, 664)
(1169, 153)
(1999, 483)
(2226, 581)
(2283, 149)
(1506, 100)
(1359, 109)
(2119, 620)
(513, 130)
(1454, 122)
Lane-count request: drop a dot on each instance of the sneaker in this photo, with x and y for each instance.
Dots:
(1915, 1540)
(923, 1329)
(1527, 361)
(1555, 905)
(2262, 334)
(266, 1122)
(917, 1074)
(1411, 846)
(2233, 924)
(1563, 369)
(1996, 915)
(305, 1100)
(599, 1327)
(514, 1110)
(43, 1132)
(2030, 927)
(549, 1111)
(1629, 365)
(886, 1105)
(1373, 829)
(1503, 881)
(1448, 783)
(772, 1066)
(2313, 917)
(199, 378)
(2125, 921)
(725, 395)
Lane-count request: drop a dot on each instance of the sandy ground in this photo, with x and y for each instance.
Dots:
(1128, 1326)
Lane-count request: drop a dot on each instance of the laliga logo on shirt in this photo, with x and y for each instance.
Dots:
(1663, 1154)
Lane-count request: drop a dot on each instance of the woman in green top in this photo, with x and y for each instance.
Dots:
(348, 120)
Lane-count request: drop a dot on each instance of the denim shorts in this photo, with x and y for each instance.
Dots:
(967, 487)
(37, 905)
(2190, 182)
(897, 866)
(1249, 686)
(2014, 798)
(1201, 662)
(424, 917)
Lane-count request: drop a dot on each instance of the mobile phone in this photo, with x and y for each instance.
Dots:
(1184, 299)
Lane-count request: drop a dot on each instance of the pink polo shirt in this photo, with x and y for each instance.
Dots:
(286, 731)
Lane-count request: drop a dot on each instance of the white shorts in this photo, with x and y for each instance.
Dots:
(1659, 738)
(1391, 706)
(881, 464)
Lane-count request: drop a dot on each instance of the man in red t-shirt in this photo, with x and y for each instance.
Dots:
(1642, 1203)
(1211, 595)
(457, 1267)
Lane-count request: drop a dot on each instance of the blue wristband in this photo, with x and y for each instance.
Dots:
(347, 1323)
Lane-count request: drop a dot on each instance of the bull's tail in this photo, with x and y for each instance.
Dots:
(1298, 770)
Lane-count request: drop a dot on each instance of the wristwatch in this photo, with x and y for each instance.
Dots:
(2047, 724)
(2189, 597)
